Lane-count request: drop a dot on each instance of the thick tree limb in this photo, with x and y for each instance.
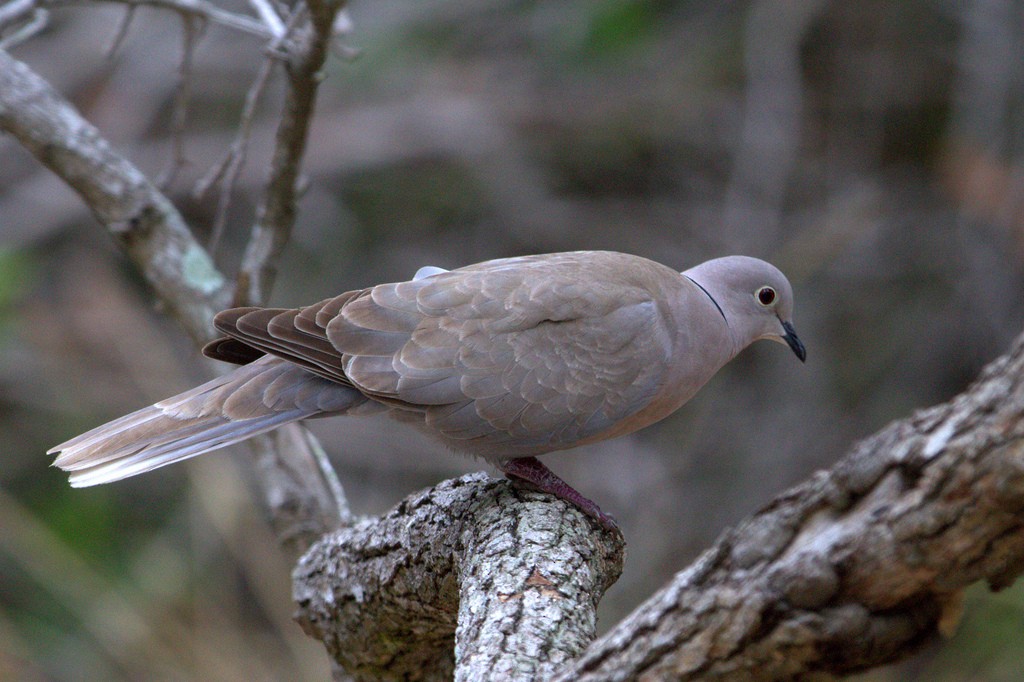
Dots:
(855, 568)
(472, 575)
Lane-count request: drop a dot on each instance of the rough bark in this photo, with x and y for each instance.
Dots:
(473, 576)
(856, 567)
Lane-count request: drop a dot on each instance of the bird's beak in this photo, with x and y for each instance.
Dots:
(793, 341)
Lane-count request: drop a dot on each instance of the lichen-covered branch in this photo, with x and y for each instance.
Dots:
(856, 567)
(139, 217)
(303, 499)
(472, 577)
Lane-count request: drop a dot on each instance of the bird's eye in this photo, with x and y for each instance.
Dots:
(765, 296)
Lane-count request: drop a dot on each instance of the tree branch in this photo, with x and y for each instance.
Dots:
(198, 9)
(300, 487)
(856, 567)
(302, 496)
(136, 214)
(508, 580)
(275, 217)
(227, 171)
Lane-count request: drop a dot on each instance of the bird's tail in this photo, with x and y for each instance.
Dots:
(253, 399)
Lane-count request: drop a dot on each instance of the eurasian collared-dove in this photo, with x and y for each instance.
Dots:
(506, 359)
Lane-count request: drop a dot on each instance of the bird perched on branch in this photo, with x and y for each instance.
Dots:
(505, 360)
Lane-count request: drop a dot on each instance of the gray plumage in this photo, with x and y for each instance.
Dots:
(505, 359)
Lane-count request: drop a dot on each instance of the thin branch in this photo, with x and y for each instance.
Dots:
(200, 9)
(300, 487)
(331, 482)
(153, 234)
(35, 23)
(269, 16)
(15, 11)
(275, 216)
(122, 31)
(227, 171)
(137, 215)
(192, 28)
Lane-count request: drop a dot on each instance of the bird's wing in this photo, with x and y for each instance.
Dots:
(295, 334)
(533, 352)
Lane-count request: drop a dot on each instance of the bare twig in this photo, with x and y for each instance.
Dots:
(34, 21)
(191, 29)
(269, 16)
(15, 11)
(200, 9)
(300, 487)
(276, 214)
(226, 172)
(122, 31)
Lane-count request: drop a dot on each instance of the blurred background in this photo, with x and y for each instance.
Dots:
(872, 150)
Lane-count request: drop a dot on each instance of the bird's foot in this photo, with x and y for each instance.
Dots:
(531, 471)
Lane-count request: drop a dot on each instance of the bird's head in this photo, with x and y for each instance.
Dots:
(755, 299)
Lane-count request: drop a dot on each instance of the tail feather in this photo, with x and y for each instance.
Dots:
(148, 458)
(226, 410)
(106, 437)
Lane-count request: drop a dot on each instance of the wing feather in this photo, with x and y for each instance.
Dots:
(530, 353)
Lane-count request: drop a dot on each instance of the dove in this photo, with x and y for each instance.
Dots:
(504, 360)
